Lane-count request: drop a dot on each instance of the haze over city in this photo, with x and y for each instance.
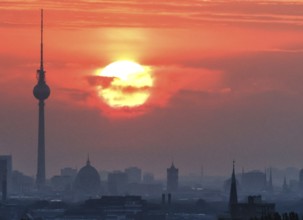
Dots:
(226, 84)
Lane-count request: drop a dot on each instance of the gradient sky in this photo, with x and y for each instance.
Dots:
(228, 84)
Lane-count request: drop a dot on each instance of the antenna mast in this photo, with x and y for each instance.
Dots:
(41, 46)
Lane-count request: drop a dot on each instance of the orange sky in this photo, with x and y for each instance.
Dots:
(219, 68)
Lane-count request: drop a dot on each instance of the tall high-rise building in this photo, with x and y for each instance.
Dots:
(3, 178)
(172, 178)
(41, 92)
(9, 160)
(270, 187)
(6, 161)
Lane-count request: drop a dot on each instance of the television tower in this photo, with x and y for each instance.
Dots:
(41, 92)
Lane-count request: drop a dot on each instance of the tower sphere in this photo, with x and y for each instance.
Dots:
(41, 91)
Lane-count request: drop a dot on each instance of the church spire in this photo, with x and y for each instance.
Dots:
(233, 197)
(88, 161)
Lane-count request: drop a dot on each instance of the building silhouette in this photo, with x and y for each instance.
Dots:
(172, 179)
(253, 208)
(109, 207)
(270, 187)
(301, 180)
(3, 179)
(41, 92)
(7, 160)
(21, 183)
(68, 171)
(285, 187)
(87, 182)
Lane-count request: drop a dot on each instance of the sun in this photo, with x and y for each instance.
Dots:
(125, 84)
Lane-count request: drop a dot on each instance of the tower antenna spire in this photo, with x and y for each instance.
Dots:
(41, 44)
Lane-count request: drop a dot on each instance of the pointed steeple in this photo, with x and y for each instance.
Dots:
(88, 161)
(172, 161)
(172, 165)
(233, 197)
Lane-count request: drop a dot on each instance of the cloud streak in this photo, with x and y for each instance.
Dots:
(168, 14)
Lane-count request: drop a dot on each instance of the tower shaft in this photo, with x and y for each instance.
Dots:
(40, 179)
(41, 92)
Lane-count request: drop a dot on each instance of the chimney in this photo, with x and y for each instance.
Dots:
(169, 199)
(163, 199)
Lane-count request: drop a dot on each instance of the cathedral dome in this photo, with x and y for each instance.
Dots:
(87, 181)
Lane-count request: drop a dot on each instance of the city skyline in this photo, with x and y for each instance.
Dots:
(227, 84)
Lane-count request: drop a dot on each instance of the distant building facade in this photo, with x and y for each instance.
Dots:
(61, 183)
(64, 181)
(7, 167)
(134, 174)
(254, 181)
(21, 183)
(117, 183)
(301, 180)
(68, 171)
(172, 179)
(148, 178)
(3, 179)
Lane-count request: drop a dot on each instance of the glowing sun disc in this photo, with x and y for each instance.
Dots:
(129, 84)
